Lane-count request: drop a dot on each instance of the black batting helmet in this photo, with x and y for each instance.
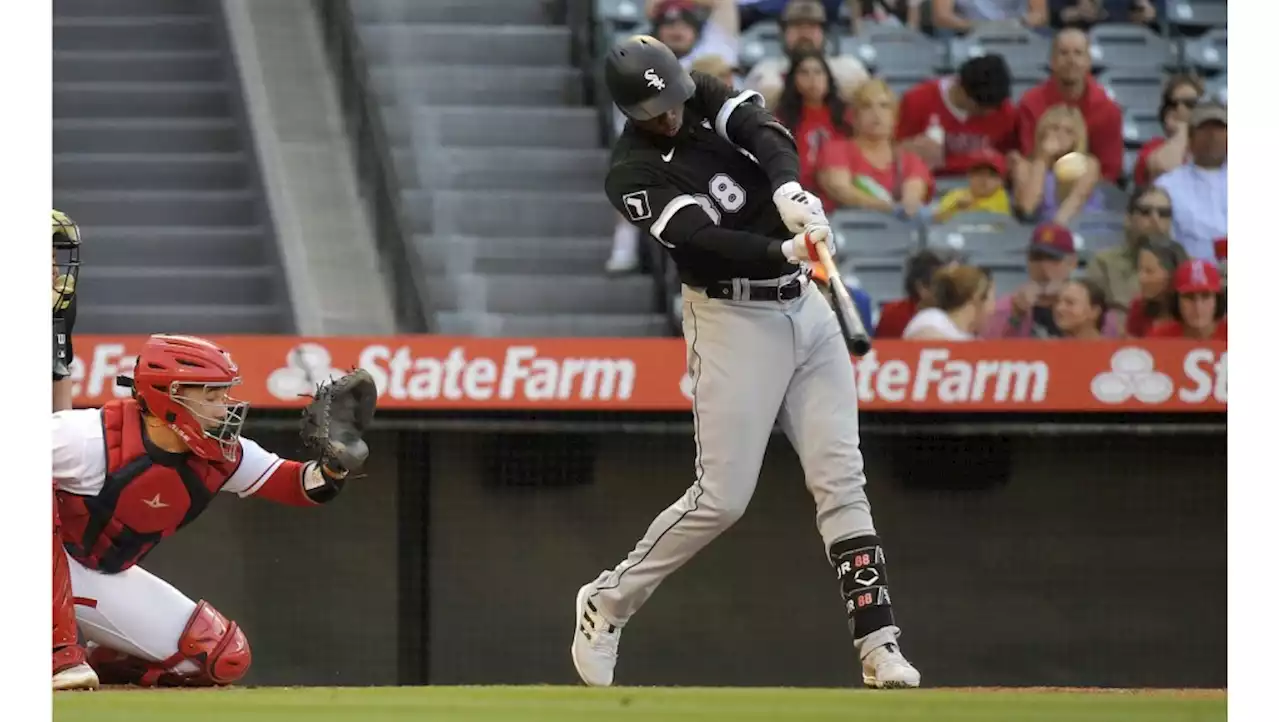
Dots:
(645, 79)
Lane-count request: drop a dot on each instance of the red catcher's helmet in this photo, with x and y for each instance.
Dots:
(169, 364)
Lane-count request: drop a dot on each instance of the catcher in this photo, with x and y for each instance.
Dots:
(168, 450)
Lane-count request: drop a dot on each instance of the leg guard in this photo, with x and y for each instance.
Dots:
(67, 652)
(211, 642)
(860, 569)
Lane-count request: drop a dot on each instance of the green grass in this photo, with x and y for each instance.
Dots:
(572, 704)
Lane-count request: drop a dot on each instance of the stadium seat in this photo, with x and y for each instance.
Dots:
(1099, 229)
(1113, 197)
(1140, 127)
(1129, 47)
(1196, 14)
(902, 81)
(900, 53)
(1020, 87)
(868, 237)
(881, 280)
(1130, 160)
(1136, 94)
(1007, 277)
(763, 30)
(753, 51)
(1216, 89)
(1027, 54)
(620, 13)
(945, 185)
(1207, 54)
(985, 238)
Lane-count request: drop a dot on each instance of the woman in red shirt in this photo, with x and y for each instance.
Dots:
(1160, 155)
(813, 110)
(1157, 261)
(869, 171)
(1201, 310)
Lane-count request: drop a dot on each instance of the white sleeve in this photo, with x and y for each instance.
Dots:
(79, 452)
(716, 41)
(256, 466)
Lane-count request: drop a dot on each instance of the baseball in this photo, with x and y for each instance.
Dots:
(1070, 167)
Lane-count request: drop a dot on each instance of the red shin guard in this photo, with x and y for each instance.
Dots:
(210, 640)
(66, 650)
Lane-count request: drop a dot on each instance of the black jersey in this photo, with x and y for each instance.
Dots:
(704, 175)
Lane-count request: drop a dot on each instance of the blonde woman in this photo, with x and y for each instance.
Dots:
(1037, 194)
(964, 297)
(869, 171)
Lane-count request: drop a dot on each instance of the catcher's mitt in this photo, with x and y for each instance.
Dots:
(334, 422)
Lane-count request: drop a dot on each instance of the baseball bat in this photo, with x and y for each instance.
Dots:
(855, 332)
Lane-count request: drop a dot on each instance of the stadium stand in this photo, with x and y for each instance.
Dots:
(159, 149)
(153, 155)
(500, 108)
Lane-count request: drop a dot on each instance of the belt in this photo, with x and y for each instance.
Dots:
(741, 289)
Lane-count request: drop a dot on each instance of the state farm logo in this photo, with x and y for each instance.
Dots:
(305, 366)
(1133, 375)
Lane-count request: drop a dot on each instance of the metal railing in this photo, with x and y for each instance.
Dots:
(375, 170)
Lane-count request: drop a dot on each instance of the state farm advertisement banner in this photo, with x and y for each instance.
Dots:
(443, 373)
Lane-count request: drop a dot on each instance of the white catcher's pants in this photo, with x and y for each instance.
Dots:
(134, 612)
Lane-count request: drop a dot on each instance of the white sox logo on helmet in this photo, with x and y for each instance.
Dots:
(651, 75)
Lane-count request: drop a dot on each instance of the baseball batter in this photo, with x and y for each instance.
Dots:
(711, 175)
(137, 470)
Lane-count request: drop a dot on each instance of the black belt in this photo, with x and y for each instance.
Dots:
(785, 292)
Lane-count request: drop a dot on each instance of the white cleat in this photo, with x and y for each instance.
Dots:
(885, 668)
(595, 642)
(80, 676)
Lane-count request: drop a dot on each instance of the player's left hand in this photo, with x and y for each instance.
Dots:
(798, 207)
(334, 422)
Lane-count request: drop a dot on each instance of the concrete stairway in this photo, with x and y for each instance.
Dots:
(152, 158)
(501, 169)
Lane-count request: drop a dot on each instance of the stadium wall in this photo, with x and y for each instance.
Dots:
(1095, 560)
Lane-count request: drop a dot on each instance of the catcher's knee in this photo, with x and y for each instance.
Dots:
(210, 643)
(216, 644)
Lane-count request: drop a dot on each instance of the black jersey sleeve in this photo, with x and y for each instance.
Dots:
(677, 219)
(740, 118)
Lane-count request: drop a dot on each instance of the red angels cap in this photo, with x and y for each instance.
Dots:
(672, 10)
(1197, 276)
(987, 158)
(1220, 248)
(1053, 240)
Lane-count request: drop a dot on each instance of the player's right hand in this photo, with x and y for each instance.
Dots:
(798, 207)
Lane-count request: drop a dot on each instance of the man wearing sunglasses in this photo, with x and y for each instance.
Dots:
(1198, 188)
(1115, 269)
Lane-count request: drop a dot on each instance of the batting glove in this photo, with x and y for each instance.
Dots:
(801, 249)
(798, 207)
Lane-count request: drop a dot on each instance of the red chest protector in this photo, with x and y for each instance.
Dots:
(147, 495)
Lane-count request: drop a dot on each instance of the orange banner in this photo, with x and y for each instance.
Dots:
(442, 373)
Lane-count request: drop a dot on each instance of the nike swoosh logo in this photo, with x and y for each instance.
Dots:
(666, 157)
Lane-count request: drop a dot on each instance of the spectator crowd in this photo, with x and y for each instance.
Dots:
(966, 145)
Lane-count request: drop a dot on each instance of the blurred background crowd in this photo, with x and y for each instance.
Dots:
(436, 166)
(931, 129)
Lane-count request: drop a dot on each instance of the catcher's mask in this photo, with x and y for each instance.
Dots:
(66, 259)
(186, 382)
